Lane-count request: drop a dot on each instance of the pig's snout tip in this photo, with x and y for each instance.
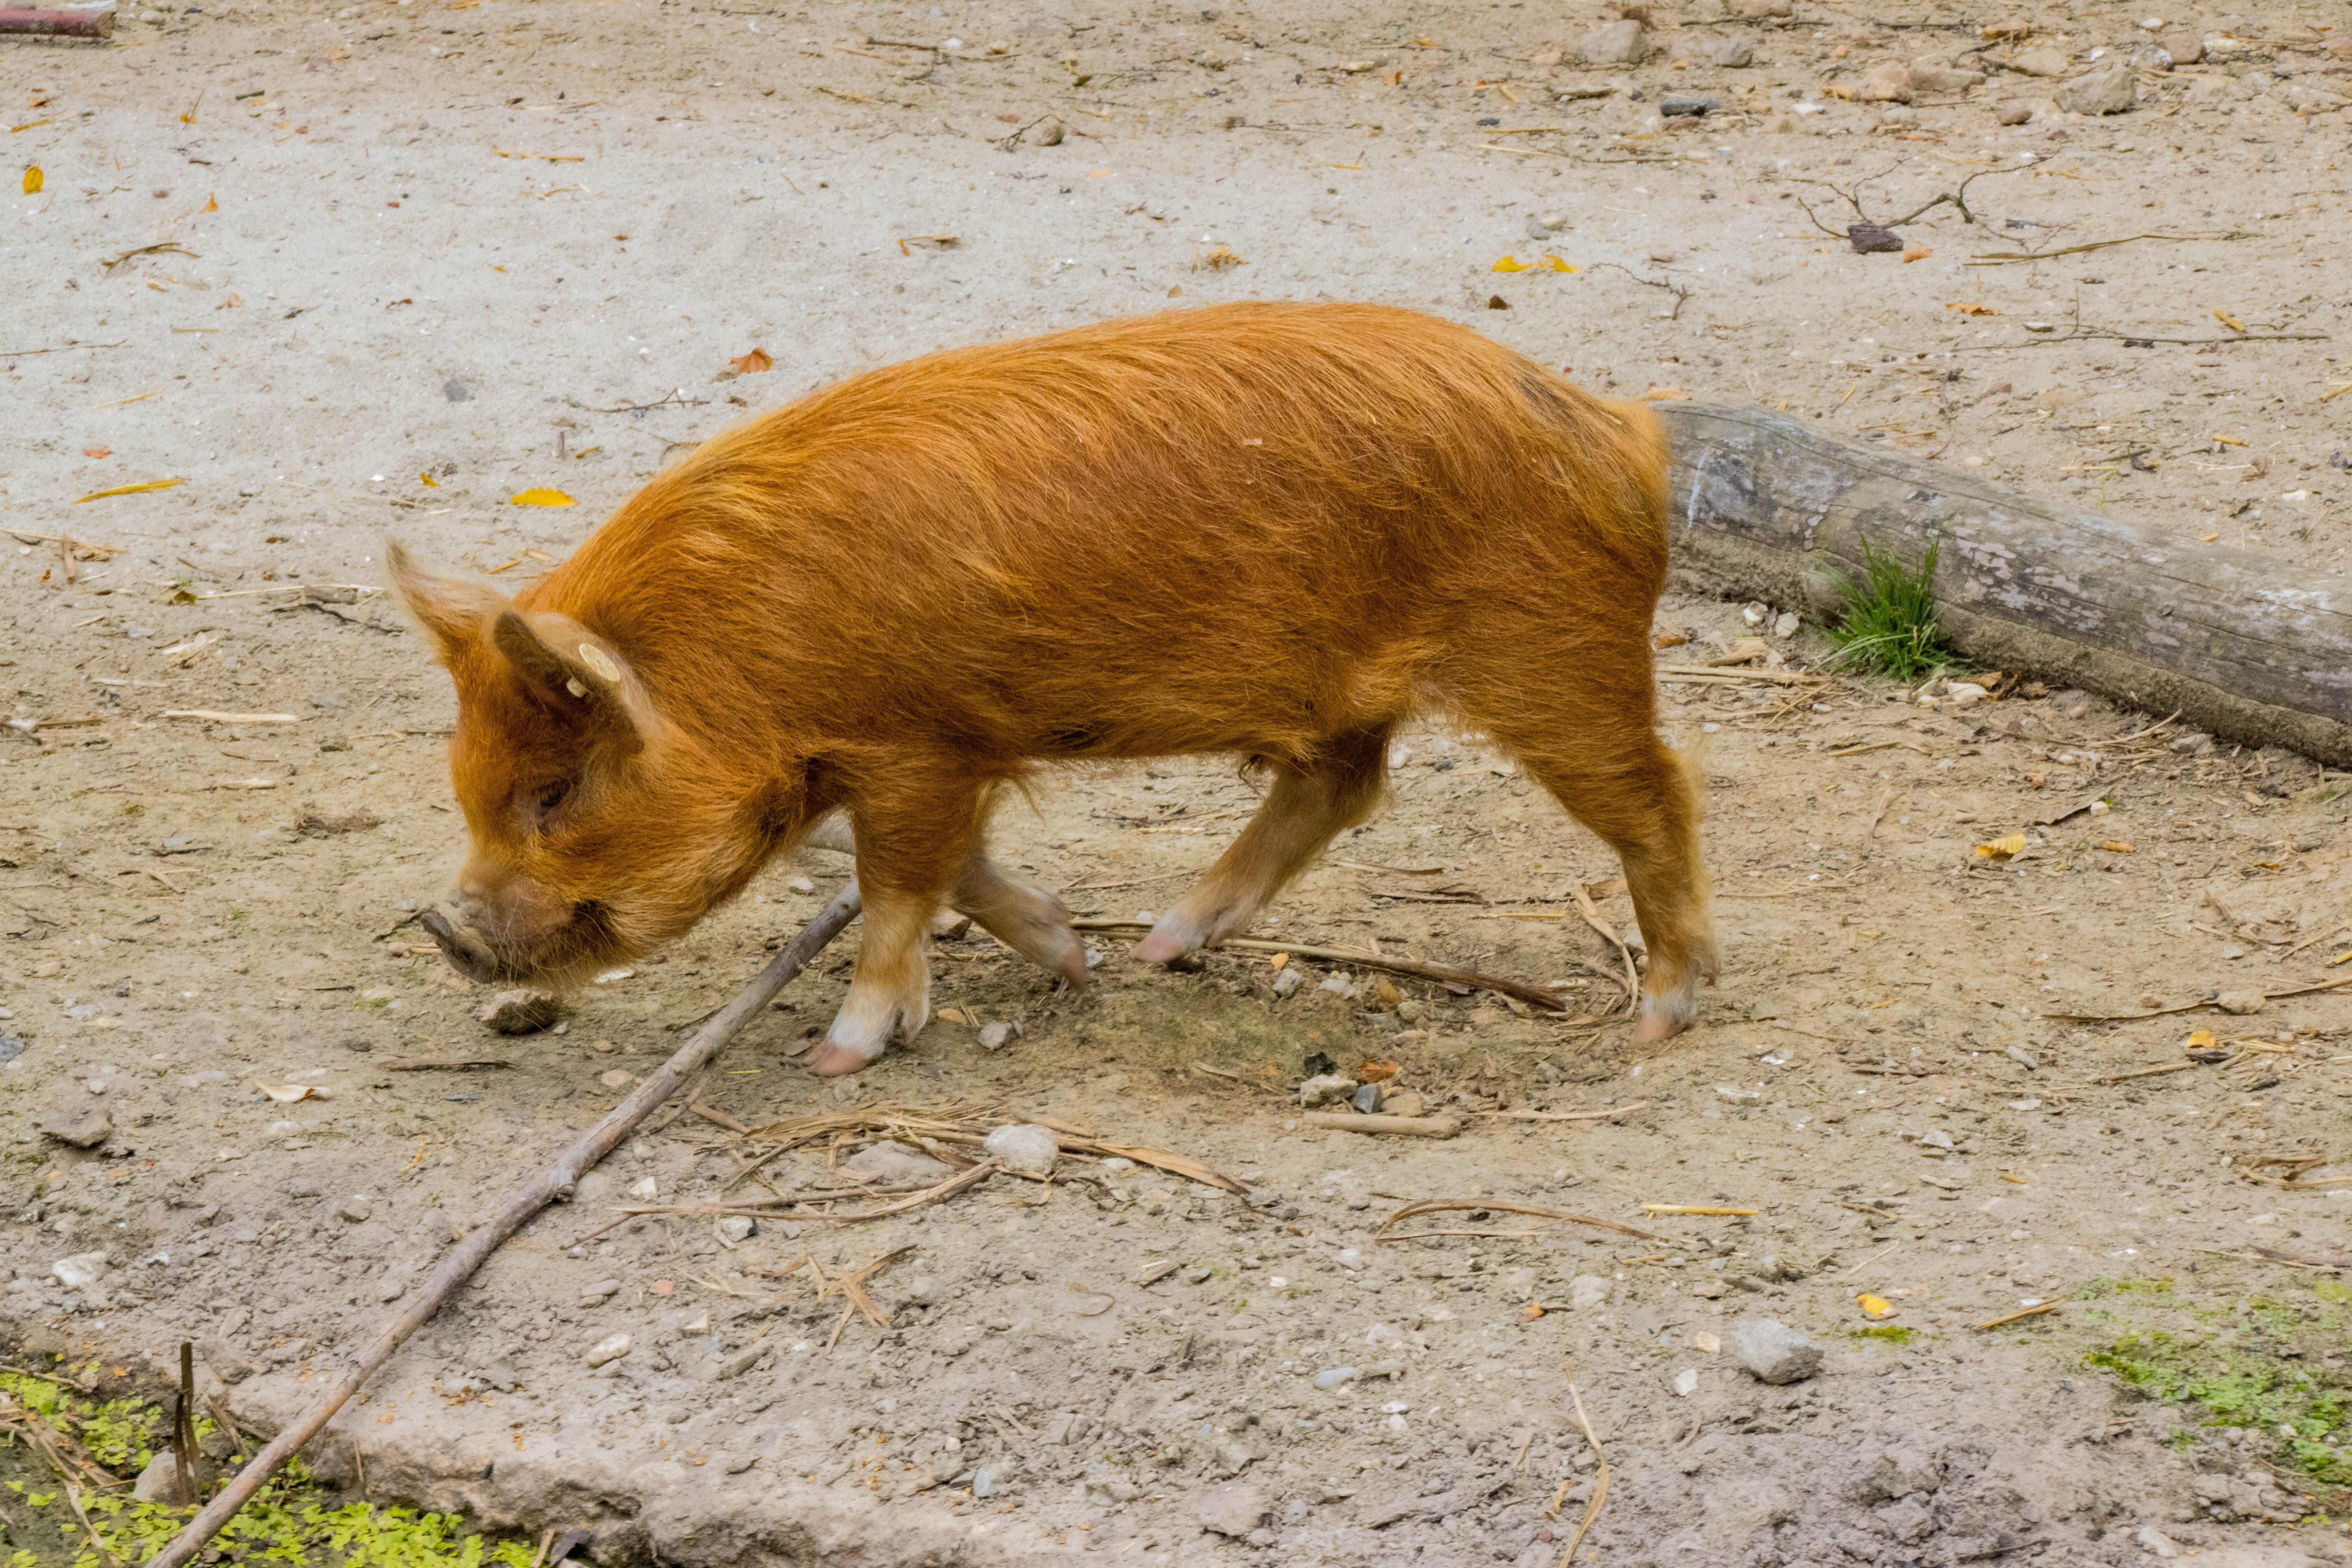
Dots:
(466, 952)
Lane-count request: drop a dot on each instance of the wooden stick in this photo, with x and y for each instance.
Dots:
(2144, 1072)
(519, 1207)
(1615, 1111)
(1440, 1206)
(1399, 1126)
(1444, 973)
(1600, 1482)
(2029, 1313)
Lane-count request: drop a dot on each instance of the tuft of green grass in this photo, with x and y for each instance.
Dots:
(2295, 1406)
(1888, 1333)
(1889, 626)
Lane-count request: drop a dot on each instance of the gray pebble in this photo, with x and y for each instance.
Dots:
(1030, 1149)
(1774, 1351)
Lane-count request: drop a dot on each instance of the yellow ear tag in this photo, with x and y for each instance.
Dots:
(573, 687)
(597, 659)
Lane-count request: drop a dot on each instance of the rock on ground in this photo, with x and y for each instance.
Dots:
(1774, 1351)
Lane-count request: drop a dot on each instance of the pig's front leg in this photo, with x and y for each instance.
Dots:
(891, 992)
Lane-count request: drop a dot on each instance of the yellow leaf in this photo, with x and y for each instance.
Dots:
(540, 495)
(750, 363)
(1508, 263)
(1971, 308)
(1874, 1306)
(2219, 315)
(129, 489)
(429, 479)
(212, 204)
(2198, 1040)
(953, 1015)
(2003, 848)
(1917, 253)
(2115, 846)
(1551, 263)
(32, 179)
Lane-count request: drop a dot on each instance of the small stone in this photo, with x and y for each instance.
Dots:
(1930, 76)
(1774, 1351)
(1234, 1508)
(1710, 1289)
(617, 1078)
(82, 1129)
(738, 1227)
(2241, 1003)
(159, 1481)
(302, 1187)
(602, 1048)
(2111, 89)
(392, 1290)
(895, 1163)
(2191, 51)
(925, 1291)
(995, 1037)
(1536, 229)
(1326, 1089)
(2021, 1058)
(1403, 1103)
(1786, 624)
(1285, 980)
(1733, 54)
(1622, 43)
(520, 1012)
(598, 1294)
(455, 391)
(2196, 744)
(1887, 82)
(1587, 1292)
(80, 1271)
(1869, 239)
(1738, 1096)
(608, 1350)
(2155, 1542)
(799, 885)
(356, 1208)
(990, 1480)
(2042, 62)
(1687, 1382)
(1366, 1099)
(1688, 108)
(1029, 1150)
(1332, 1377)
(2152, 58)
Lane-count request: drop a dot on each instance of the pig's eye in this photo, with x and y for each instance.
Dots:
(554, 795)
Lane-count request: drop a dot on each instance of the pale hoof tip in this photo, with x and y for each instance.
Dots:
(1161, 947)
(1652, 1027)
(830, 1060)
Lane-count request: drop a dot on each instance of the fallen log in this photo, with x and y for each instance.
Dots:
(78, 22)
(2253, 649)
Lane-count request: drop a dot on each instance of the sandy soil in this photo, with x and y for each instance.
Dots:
(507, 248)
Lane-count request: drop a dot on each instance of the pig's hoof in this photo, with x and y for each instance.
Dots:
(1173, 940)
(1664, 1018)
(830, 1060)
(1652, 1027)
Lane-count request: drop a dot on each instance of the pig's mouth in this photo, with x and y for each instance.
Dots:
(555, 960)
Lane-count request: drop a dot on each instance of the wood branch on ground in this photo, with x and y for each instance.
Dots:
(2249, 649)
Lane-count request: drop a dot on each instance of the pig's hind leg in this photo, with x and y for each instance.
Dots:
(1308, 803)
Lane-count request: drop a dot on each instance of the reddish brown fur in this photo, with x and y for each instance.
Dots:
(1265, 529)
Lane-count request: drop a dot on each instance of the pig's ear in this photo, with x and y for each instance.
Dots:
(574, 672)
(455, 611)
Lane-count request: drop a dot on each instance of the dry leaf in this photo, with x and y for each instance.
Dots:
(1917, 252)
(1664, 394)
(97, 451)
(1512, 264)
(2003, 848)
(212, 204)
(1532, 1310)
(129, 489)
(1551, 263)
(1668, 639)
(32, 179)
(1874, 1306)
(2115, 846)
(429, 479)
(287, 1093)
(540, 495)
(953, 1015)
(1971, 308)
(2219, 315)
(1373, 1071)
(1222, 257)
(756, 361)
(2198, 1040)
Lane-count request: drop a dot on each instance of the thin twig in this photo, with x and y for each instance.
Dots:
(1444, 973)
(1441, 1206)
(519, 1207)
(1600, 1481)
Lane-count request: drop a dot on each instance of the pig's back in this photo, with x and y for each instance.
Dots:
(1202, 530)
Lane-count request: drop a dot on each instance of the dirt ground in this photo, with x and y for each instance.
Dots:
(387, 253)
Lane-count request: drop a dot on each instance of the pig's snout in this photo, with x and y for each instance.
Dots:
(460, 943)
